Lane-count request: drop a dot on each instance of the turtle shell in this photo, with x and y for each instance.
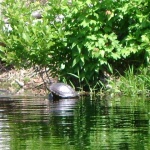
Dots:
(63, 90)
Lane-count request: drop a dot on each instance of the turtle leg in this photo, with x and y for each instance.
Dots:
(50, 96)
(53, 97)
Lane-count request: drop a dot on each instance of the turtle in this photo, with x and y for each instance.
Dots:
(62, 91)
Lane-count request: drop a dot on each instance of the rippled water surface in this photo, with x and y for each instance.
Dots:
(35, 123)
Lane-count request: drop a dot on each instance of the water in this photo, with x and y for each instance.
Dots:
(34, 123)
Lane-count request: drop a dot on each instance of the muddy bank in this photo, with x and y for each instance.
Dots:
(21, 81)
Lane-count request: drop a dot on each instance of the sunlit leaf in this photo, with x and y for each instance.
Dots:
(145, 38)
(92, 37)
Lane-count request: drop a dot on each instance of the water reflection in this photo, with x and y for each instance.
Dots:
(37, 123)
(63, 107)
(4, 123)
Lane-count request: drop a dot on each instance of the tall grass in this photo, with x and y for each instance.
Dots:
(132, 82)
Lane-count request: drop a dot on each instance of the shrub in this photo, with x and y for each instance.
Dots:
(26, 43)
(80, 38)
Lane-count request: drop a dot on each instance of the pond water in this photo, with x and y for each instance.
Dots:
(35, 123)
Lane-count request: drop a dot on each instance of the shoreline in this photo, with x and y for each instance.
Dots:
(21, 81)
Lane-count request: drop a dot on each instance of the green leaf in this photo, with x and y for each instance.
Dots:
(85, 23)
(82, 59)
(115, 56)
(79, 46)
(25, 37)
(102, 53)
(92, 37)
(73, 45)
(74, 62)
(145, 38)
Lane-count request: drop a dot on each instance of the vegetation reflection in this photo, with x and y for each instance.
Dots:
(119, 123)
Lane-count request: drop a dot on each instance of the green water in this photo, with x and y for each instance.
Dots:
(34, 123)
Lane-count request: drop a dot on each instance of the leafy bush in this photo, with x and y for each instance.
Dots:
(26, 43)
(100, 34)
(80, 38)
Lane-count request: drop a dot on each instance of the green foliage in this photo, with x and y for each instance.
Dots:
(132, 84)
(30, 40)
(92, 36)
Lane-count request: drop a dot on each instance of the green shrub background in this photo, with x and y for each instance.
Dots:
(93, 37)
